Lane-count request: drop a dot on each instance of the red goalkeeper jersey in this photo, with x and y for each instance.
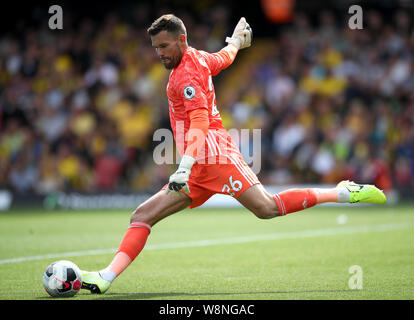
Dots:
(191, 87)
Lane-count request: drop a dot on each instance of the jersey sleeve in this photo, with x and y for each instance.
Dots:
(192, 92)
(219, 61)
(197, 132)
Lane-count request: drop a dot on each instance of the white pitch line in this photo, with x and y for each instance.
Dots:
(223, 241)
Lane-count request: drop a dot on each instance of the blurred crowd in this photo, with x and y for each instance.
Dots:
(78, 107)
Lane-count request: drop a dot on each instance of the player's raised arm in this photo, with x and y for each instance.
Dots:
(240, 39)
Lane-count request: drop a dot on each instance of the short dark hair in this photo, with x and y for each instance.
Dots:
(168, 22)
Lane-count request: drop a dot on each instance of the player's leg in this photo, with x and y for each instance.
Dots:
(160, 206)
(143, 218)
(265, 205)
(259, 201)
(237, 179)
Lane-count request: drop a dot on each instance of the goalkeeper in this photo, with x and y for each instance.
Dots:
(210, 161)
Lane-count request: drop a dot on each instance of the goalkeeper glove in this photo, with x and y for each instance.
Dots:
(242, 35)
(178, 180)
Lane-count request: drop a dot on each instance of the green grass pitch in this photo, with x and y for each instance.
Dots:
(219, 254)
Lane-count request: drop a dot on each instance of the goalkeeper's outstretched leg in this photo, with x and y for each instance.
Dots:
(266, 206)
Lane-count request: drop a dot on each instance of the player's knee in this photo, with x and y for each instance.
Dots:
(140, 215)
(265, 211)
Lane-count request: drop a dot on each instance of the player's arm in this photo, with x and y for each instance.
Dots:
(221, 60)
(197, 132)
(241, 38)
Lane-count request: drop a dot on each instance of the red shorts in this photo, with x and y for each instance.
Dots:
(231, 178)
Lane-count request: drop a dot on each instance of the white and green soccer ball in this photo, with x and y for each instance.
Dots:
(62, 279)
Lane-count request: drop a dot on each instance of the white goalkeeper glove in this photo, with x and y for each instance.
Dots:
(178, 180)
(242, 35)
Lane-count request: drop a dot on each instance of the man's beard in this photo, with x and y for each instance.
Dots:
(169, 64)
(172, 62)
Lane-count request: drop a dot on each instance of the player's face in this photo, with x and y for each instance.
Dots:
(169, 48)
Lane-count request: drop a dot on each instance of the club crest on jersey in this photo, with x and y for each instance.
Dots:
(189, 92)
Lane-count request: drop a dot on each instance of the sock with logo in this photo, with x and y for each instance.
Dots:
(293, 200)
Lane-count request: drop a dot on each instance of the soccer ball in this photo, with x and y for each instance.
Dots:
(62, 279)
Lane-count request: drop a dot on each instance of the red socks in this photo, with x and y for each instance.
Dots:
(293, 200)
(134, 239)
(131, 245)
